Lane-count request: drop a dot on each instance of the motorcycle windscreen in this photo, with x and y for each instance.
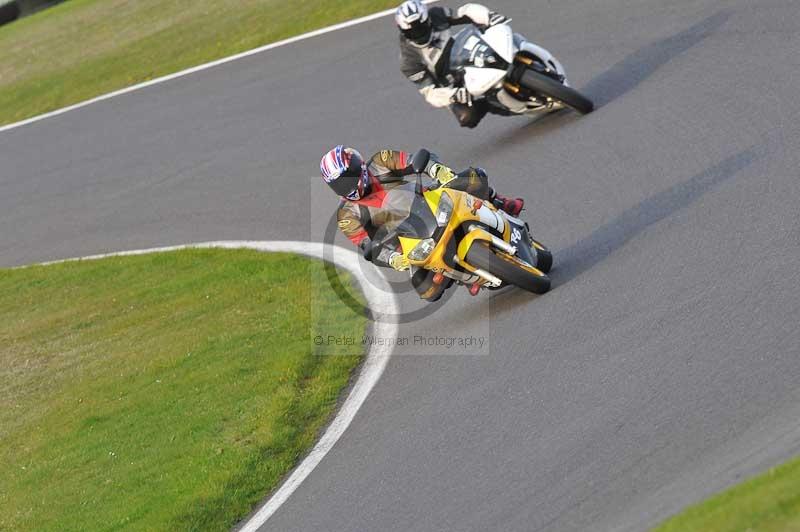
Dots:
(407, 213)
(471, 50)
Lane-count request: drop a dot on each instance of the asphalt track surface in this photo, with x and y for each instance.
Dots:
(662, 367)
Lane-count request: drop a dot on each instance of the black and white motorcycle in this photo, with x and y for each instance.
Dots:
(510, 72)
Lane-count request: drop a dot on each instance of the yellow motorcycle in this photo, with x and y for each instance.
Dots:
(465, 240)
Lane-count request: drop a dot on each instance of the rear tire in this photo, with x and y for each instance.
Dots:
(508, 269)
(542, 84)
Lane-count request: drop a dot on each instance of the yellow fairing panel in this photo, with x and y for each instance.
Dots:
(469, 239)
(407, 244)
(432, 197)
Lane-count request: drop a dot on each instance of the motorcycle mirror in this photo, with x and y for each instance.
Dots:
(418, 187)
(419, 161)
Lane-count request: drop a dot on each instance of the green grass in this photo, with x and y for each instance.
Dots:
(84, 48)
(767, 503)
(162, 392)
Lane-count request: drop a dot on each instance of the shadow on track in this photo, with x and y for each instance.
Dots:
(641, 64)
(570, 262)
(589, 251)
(522, 134)
(615, 82)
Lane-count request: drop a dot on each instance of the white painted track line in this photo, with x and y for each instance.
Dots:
(381, 301)
(204, 66)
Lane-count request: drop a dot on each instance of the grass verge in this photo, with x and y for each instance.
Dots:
(161, 392)
(767, 503)
(84, 48)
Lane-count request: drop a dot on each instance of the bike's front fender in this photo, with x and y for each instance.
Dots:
(467, 242)
(547, 58)
(501, 39)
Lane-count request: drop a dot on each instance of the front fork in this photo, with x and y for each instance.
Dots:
(548, 59)
(523, 251)
(532, 56)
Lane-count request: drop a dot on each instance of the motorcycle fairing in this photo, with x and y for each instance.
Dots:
(469, 49)
(520, 239)
(479, 81)
(471, 222)
(482, 58)
(404, 212)
(501, 39)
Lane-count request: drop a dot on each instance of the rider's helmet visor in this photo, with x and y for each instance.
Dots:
(358, 192)
(419, 32)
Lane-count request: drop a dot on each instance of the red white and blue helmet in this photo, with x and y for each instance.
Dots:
(414, 23)
(345, 172)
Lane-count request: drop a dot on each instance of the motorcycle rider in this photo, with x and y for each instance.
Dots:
(424, 34)
(363, 184)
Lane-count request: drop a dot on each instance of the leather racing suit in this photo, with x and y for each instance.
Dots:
(423, 65)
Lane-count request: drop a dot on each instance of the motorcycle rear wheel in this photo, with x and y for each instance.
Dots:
(542, 84)
(508, 268)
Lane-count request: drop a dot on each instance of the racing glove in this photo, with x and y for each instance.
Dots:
(481, 16)
(440, 173)
(497, 18)
(399, 262)
(462, 96)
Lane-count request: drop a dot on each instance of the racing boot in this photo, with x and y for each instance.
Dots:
(512, 206)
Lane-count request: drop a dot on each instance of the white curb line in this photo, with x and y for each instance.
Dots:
(381, 301)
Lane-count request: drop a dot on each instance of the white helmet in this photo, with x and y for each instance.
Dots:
(414, 23)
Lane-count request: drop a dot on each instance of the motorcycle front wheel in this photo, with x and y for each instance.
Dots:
(508, 268)
(544, 259)
(541, 84)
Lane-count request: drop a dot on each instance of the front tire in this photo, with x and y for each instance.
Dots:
(508, 268)
(544, 259)
(422, 281)
(542, 84)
